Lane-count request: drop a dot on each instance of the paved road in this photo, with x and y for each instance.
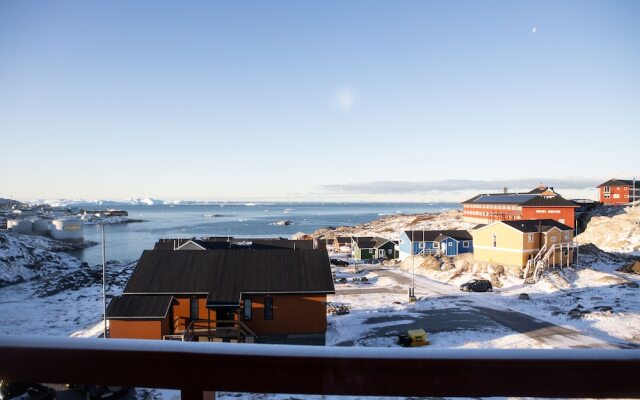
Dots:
(542, 331)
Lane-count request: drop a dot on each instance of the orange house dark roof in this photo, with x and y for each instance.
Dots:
(224, 275)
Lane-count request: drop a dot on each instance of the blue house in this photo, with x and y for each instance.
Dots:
(445, 242)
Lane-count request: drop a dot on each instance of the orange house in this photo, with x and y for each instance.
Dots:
(618, 191)
(268, 296)
(540, 203)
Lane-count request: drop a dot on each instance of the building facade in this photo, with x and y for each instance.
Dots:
(537, 204)
(516, 242)
(618, 191)
(445, 242)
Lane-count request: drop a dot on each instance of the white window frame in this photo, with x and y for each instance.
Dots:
(465, 244)
(531, 238)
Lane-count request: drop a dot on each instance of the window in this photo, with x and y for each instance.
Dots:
(626, 188)
(465, 244)
(616, 196)
(553, 239)
(531, 238)
(193, 308)
(566, 235)
(607, 189)
(247, 312)
(420, 245)
(268, 308)
(606, 196)
(450, 244)
(495, 239)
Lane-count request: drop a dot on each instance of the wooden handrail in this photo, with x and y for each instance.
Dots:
(194, 367)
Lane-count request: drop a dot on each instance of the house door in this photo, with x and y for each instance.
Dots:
(224, 314)
(443, 248)
(381, 253)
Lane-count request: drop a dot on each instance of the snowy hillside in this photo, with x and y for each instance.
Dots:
(392, 226)
(44, 291)
(619, 232)
(24, 258)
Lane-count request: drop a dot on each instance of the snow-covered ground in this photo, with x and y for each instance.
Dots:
(392, 226)
(618, 230)
(44, 291)
(26, 257)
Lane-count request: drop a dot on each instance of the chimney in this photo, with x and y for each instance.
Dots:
(505, 190)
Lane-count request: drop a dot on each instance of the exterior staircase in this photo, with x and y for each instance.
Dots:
(543, 259)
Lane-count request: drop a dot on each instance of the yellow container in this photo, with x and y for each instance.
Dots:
(418, 337)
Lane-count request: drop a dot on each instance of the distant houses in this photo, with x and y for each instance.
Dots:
(268, 296)
(444, 242)
(521, 242)
(540, 203)
(370, 248)
(618, 191)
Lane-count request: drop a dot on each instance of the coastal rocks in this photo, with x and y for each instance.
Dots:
(24, 258)
(117, 275)
(632, 268)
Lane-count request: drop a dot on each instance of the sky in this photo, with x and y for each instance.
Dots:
(331, 100)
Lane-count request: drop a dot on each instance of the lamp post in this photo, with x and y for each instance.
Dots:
(104, 279)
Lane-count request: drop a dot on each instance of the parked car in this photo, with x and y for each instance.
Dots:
(477, 285)
(26, 391)
(338, 262)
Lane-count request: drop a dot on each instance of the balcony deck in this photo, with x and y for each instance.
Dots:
(196, 367)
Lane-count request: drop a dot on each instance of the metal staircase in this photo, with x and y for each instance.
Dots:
(543, 259)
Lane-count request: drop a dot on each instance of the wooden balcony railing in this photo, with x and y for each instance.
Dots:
(196, 367)
(210, 330)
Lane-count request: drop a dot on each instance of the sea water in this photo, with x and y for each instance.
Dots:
(125, 242)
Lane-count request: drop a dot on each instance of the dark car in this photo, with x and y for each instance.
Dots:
(338, 262)
(30, 391)
(477, 285)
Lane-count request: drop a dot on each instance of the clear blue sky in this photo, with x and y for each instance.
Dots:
(301, 100)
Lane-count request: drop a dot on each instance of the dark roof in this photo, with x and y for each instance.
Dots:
(223, 275)
(139, 307)
(542, 189)
(430, 236)
(370, 242)
(478, 226)
(254, 243)
(619, 182)
(343, 240)
(526, 199)
(533, 225)
(170, 244)
(458, 237)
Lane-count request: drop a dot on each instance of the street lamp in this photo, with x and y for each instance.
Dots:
(104, 278)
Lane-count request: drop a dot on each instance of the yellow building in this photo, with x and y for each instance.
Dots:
(516, 242)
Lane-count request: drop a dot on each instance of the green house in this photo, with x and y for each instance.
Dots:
(370, 247)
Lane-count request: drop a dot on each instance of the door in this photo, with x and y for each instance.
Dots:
(224, 314)
(381, 253)
(443, 247)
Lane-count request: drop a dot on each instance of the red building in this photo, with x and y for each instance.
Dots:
(618, 191)
(540, 203)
